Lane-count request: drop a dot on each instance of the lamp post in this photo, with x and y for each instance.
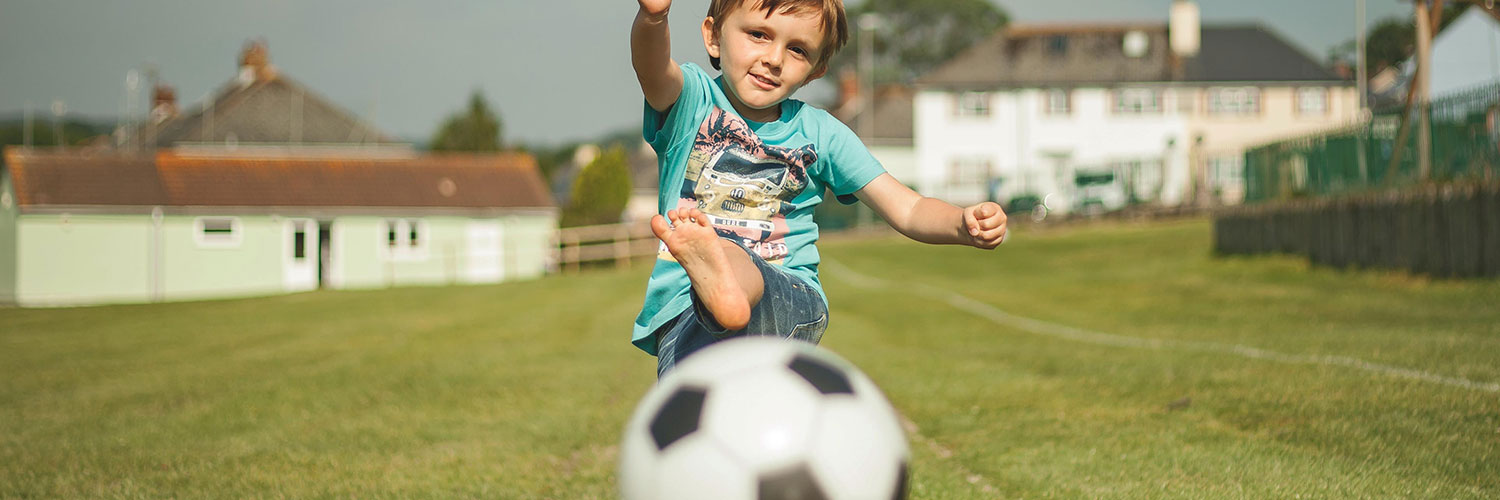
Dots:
(868, 23)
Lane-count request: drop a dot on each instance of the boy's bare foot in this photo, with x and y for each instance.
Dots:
(692, 241)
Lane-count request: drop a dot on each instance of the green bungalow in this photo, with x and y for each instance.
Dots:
(79, 228)
(266, 188)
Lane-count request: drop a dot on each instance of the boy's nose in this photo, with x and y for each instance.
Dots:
(772, 58)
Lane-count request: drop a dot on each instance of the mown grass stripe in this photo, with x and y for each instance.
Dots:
(998, 316)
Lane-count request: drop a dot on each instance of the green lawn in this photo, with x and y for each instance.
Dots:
(520, 390)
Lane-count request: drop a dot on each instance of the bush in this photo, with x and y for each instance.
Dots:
(600, 191)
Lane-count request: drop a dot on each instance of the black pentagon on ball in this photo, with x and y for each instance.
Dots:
(792, 483)
(678, 417)
(826, 378)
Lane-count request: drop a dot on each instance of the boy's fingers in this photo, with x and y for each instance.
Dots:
(993, 235)
(970, 224)
(987, 210)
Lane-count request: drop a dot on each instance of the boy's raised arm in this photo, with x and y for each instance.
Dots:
(651, 54)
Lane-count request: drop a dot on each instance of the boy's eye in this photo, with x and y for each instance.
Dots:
(799, 51)
(757, 34)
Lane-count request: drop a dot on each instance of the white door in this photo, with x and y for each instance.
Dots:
(300, 254)
(483, 253)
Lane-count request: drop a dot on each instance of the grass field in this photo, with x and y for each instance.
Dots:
(1141, 383)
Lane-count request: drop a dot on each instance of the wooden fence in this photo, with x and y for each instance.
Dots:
(1444, 231)
(617, 243)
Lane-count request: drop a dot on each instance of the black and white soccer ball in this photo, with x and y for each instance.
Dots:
(764, 418)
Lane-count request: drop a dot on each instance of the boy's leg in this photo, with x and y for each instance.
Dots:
(683, 336)
(723, 276)
(789, 308)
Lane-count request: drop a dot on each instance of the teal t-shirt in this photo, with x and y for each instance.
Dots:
(758, 182)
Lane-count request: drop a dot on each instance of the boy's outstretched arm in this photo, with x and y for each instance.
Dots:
(930, 220)
(651, 54)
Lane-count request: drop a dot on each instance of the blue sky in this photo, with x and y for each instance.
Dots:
(555, 70)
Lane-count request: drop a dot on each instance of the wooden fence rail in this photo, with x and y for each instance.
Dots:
(610, 242)
(1448, 231)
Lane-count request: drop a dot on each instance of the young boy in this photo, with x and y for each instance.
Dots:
(742, 166)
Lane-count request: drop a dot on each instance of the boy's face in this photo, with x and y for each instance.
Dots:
(765, 59)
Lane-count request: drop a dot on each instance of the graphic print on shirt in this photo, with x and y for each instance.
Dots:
(745, 186)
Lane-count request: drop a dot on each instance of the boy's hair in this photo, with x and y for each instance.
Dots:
(834, 22)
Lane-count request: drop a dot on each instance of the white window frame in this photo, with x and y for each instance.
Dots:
(1137, 101)
(1226, 171)
(1322, 99)
(1235, 101)
(404, 247)
(966, 170)
(972, 104)
(1050, 105)
(233, 239)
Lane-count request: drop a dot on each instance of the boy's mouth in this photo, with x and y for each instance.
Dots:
(763, 82)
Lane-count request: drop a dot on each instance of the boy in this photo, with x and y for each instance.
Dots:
(742, 167)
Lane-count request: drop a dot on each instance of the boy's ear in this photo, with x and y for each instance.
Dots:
(710, 39)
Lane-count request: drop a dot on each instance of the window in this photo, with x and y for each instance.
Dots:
(973, 104)
(1225, 171)
(1057, 45)
(1312, 101)
(1234, 100)
(217, 231)
(969, 171)
(1059, 102)
(1187, 101)
(406, 238)
(1142, 178)
(299, 240)
(1137, 101)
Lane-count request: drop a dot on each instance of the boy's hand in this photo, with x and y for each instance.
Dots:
(985, 224)
(655, 8)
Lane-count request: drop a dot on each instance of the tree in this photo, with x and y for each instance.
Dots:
(600, 191)
(1393, 39)
(476, 129)
(916, 36)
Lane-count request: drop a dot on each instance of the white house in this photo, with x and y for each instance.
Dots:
(1097, 117)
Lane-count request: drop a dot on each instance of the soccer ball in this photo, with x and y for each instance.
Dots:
(763, 418)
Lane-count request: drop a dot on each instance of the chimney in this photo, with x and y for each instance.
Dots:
(847, 101)
(1185, 29)
(163, 103)
(255, 63)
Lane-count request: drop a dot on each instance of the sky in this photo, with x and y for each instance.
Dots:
(556, 71)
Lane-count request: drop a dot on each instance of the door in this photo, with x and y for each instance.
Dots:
(483, 253)
(300, 254)
(325, 254)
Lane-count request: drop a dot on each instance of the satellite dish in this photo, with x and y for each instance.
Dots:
(1136, 43)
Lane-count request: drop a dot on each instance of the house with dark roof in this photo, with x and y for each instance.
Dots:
(883, 121)
(265, 189)
(1098, 117)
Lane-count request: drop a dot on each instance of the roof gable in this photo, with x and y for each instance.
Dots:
(276, 110)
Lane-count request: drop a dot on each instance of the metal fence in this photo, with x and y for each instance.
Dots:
(1465, 144)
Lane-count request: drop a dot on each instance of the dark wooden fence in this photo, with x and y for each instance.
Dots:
(1450, 231)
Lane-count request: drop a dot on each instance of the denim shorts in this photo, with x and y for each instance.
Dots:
(789, 308)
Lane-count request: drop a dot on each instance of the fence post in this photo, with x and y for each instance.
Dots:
(622, 247)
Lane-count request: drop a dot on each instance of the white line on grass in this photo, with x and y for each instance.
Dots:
(981, 309)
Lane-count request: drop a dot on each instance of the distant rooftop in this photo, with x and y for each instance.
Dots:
(1098, 54)
(259, 106)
